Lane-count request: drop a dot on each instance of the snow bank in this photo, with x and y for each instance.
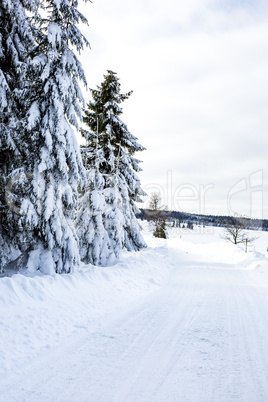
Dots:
(38, 314)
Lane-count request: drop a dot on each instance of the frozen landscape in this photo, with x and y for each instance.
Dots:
(81, 318)
(184, 320)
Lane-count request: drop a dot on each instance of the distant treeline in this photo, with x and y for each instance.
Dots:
(183, 218)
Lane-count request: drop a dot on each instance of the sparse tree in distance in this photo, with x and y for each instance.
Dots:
(235, 232)
(155, 201)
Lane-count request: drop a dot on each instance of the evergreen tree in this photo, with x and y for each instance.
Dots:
(95, 245)
(110, 142)
(157, 216)
(55, 163)
(160, 229)
(16, 40)
(190, 225)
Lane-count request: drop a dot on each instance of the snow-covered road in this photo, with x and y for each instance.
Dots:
(200, 336)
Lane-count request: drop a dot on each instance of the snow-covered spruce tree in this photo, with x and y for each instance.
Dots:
(95, 245)
(117, 165)
(57, 167)
(16, 41)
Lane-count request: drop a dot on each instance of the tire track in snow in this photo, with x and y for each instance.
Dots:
(202, 337)
(175, 337)
(220, 350)
(255, 343)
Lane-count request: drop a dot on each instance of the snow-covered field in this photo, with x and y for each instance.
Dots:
(184, 320)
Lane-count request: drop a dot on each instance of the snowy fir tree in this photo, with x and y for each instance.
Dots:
(95, 245)
(160, 229)
(16, 41)
(110, 142)
(56, 166)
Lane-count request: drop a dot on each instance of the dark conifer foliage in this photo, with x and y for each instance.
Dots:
(16, 42)
(41, 167)
(49, 209)
(111, 144)
(41, 104)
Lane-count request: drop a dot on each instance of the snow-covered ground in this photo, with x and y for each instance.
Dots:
(184, 320)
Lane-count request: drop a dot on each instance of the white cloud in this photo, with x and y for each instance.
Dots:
(199, 74)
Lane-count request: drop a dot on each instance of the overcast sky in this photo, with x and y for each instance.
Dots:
(199, 72)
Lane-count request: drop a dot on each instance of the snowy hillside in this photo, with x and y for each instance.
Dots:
(184, 320)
